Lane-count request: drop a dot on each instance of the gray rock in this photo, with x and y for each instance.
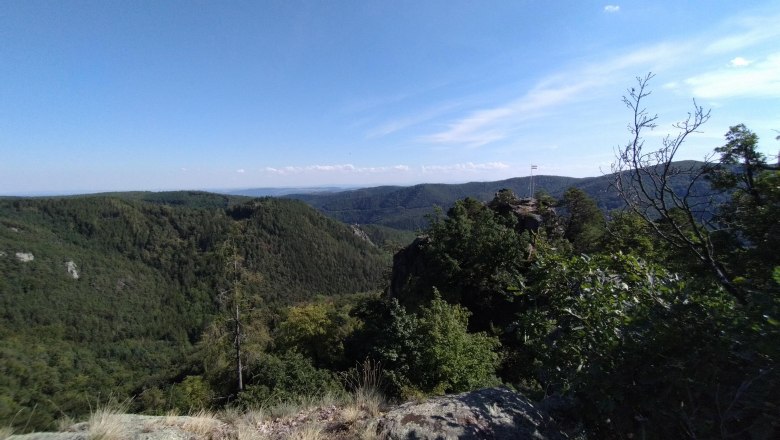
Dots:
(491, 413)
(25, 257)
(138, 427)
(72, 269)
(361, 234)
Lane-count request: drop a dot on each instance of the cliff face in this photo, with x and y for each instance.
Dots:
(409, 262)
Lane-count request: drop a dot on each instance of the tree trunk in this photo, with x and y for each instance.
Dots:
(238, 351)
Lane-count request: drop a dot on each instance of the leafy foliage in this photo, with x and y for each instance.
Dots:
(583, 221)
(476, 257)
(286, 378)
(316, 330)
(643, 340)
(149, 277)
(452, 359)
(432, 353)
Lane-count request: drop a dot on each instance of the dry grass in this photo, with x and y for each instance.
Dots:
(105, 423)
(368, 431)
(231, 414)
(247, 424)
(351, 413)
(285, 409)
(247, 429)
(253, 416)
(370, 401)
(365, 381)
(310, 431)
(204, 424)
(291, 408)
(65, 422)
(5, 432)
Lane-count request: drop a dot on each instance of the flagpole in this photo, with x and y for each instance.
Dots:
(533, 167)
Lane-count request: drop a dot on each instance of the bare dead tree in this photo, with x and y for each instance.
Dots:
(231, 298)
(645, 180)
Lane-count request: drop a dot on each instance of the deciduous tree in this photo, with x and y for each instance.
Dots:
(645, 180)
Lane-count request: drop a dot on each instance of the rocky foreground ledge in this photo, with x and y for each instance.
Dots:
(491, 413)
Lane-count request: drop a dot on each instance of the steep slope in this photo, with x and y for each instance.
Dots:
(104, 294)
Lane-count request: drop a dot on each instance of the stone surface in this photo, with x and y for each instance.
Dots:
(526, 210)
(139, 427)
(361, 234)
(70, 266)
(491, 413)
(25, 257)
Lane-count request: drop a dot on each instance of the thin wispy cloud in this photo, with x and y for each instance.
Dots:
(611, 9)
(753, 31)
(471, 129)
(485, 126)
(241, 171)
(468, 166)
(337, 168)
(582, 82)
(399, 124)
(760, 79)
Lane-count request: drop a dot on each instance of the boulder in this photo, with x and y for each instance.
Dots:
(25, 257)
(490, 413)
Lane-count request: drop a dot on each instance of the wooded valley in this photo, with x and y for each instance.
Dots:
(656, 320)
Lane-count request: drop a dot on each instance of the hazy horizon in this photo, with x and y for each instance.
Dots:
(271, 189)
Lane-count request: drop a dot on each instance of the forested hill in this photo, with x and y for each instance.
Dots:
(110, 292)
(406, 208)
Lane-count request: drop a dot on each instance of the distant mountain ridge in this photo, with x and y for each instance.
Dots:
(406, 207)
(282, 191)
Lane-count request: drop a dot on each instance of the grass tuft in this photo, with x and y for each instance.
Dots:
(203, 423)
(64, 423)
(365, 382)
(311, 431)
(105, 423)
(351, 413)
(5, 432)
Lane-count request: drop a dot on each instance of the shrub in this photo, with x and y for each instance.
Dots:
(289, 377)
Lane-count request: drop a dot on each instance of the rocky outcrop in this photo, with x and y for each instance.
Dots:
(407, 263)
(491, 413)
(70, 266)
(526, 210)
(25, 257)
(361, 234)
(138, 427)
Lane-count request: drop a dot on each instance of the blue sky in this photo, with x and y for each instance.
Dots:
(155, 95)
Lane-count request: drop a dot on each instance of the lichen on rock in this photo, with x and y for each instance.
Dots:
(70, 266)
(490, 413)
